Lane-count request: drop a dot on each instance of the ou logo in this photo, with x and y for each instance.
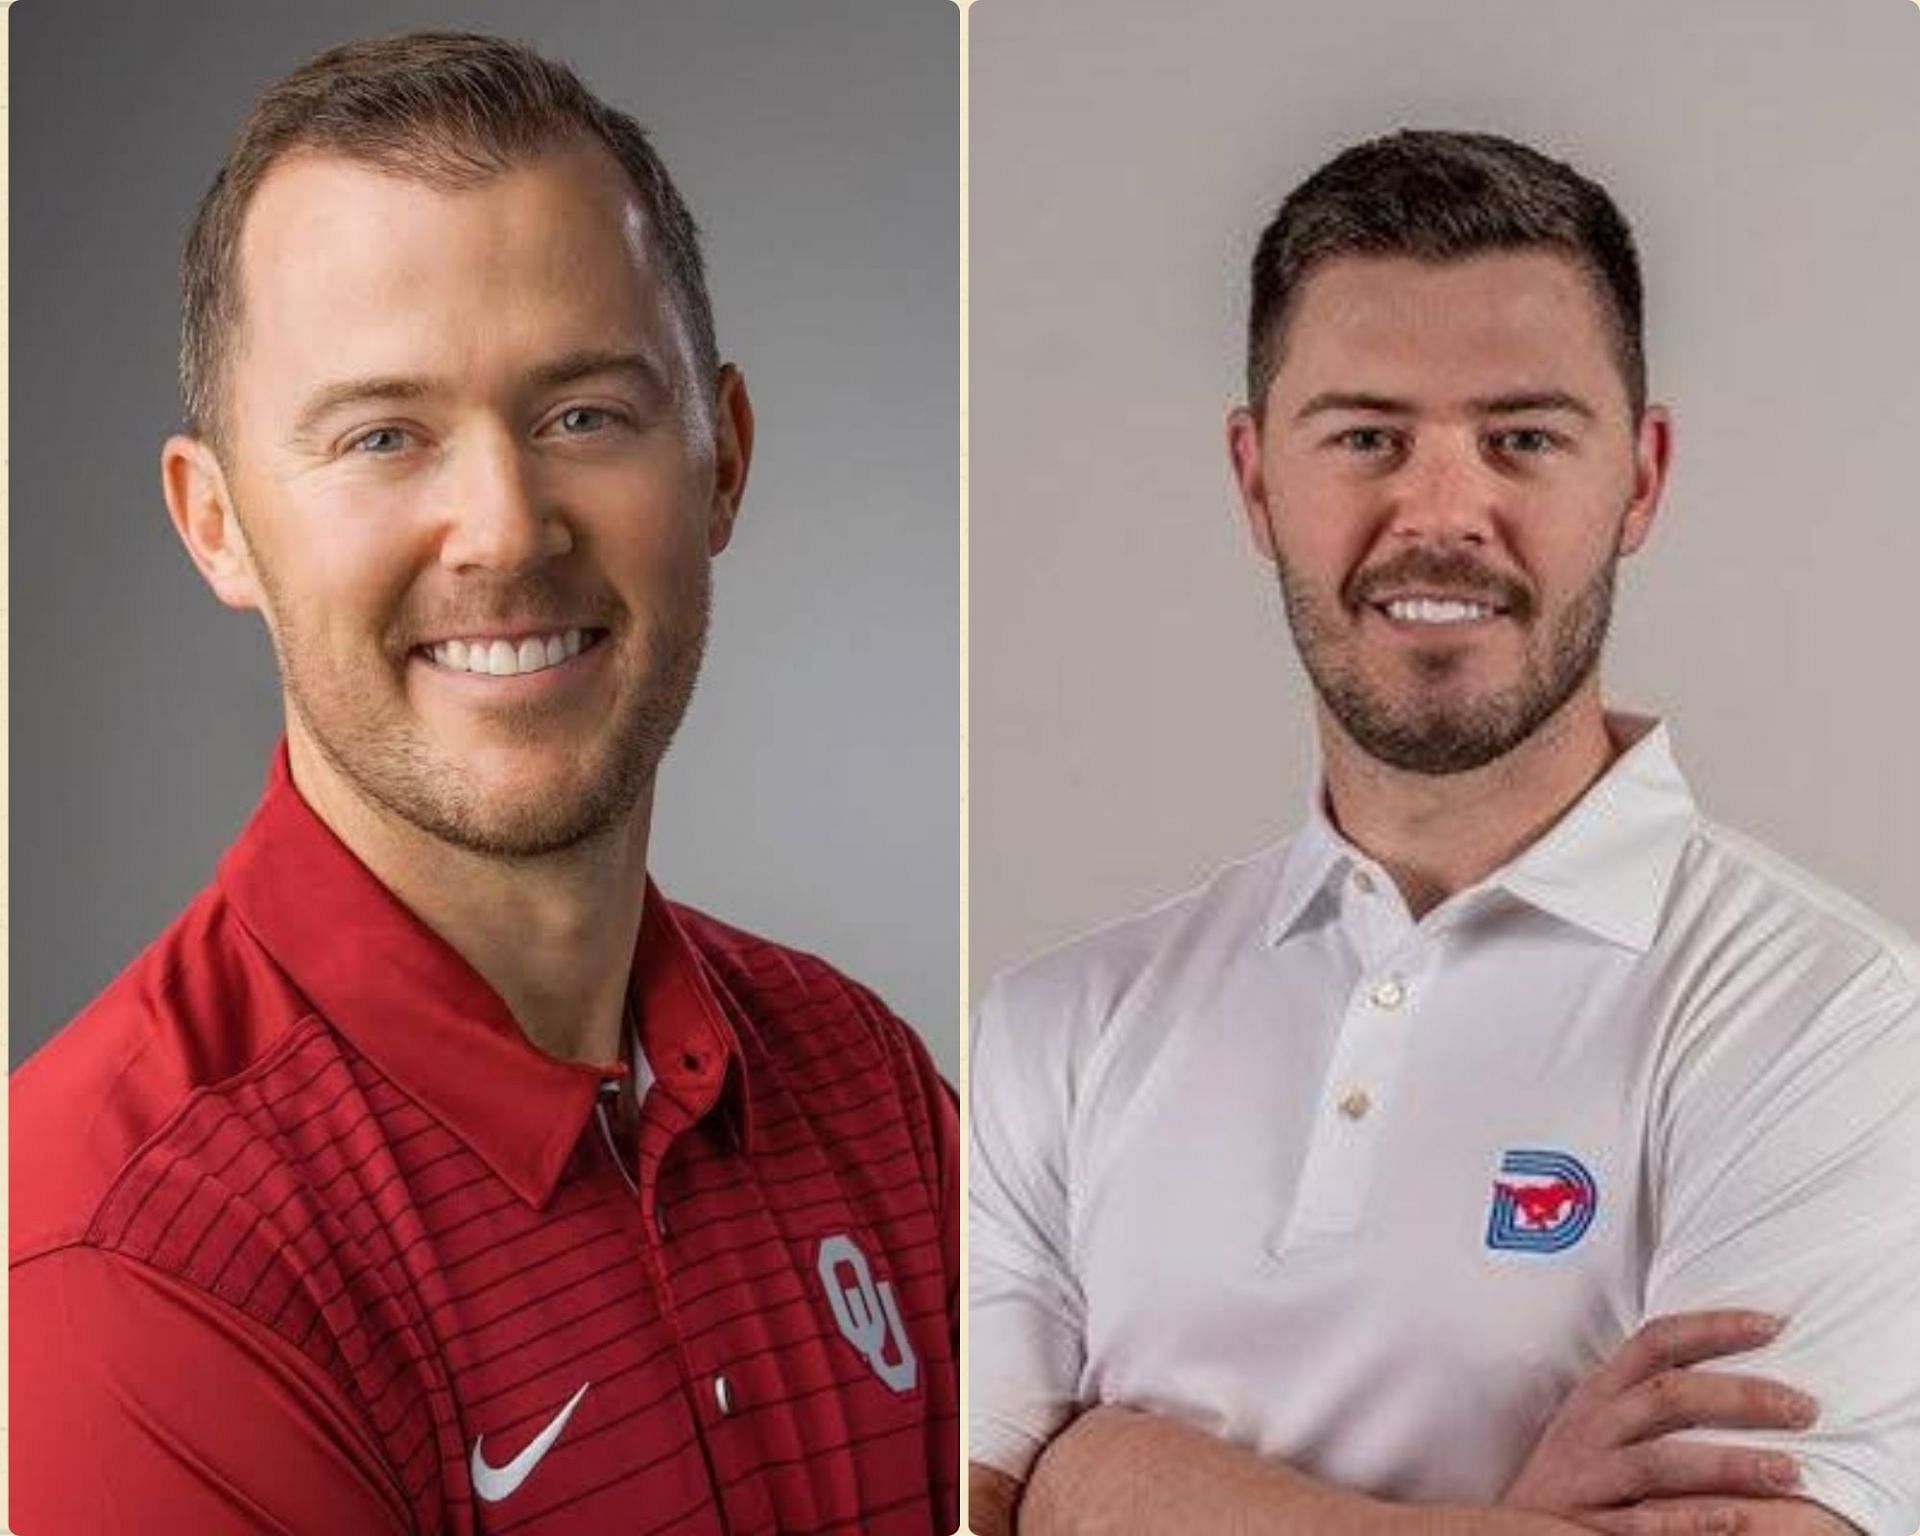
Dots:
(867, 1313)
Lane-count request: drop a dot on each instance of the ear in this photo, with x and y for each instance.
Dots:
(203, 516)
(1652, 454)
(732, 455)
(1250, 477)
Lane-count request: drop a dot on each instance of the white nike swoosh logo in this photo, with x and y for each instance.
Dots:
(495, 1483)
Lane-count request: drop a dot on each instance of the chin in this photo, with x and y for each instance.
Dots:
(526, 818)
(528, 832)
(508, 772)
(536, 795)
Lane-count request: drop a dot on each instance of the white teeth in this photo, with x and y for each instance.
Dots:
(506, 658)
(1428, 610)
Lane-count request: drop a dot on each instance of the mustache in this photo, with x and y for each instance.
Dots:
(538, 602)
(1449, 573)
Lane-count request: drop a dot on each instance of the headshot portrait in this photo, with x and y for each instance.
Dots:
(483, 1052)
(1446, 1050)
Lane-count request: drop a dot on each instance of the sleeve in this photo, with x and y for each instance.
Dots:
(1792, 1183)
(943, 1114)
(947, 1117)
(939, 1152)
(940, 1159)
(140, 1405)
(1025, 1315)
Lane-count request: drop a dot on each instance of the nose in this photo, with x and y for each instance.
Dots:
(1445, 493)
(498, 516)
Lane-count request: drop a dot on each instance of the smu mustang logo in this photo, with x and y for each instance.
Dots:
(1542, 1203)
(867, 1313)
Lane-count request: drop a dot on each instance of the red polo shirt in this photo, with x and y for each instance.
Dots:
(306, 1237)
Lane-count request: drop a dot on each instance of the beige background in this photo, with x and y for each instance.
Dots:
(1137, 716)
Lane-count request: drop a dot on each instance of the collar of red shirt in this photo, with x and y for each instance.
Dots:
(408, 1002)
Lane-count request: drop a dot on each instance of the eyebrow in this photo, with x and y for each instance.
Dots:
(593, 362)
(1487, 405)
(571, 368)
(1348, 400)
(324, 402)
(1533, 400)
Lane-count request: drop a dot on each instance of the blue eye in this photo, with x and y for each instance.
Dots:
(379, 442)
(579, 419)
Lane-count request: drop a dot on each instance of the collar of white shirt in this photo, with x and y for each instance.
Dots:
(1604, 866)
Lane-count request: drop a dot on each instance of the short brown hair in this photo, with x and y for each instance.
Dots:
(1440, 196)
(447, 108)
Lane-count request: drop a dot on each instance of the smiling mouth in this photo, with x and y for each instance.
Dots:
(1437, 610)
(485, 656)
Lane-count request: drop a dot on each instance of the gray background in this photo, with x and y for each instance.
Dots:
(813, 793)
(1137, 716)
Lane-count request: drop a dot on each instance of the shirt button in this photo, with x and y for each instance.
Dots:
(1362, 882)
(1356, 1104)
(723, 1396)
(660, 1221)
(1389, 994)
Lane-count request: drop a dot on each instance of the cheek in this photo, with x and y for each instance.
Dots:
(1562, 549)
(658, 559)
(648, 525)
(1320, 547)
(339, 570)
(1321, 518)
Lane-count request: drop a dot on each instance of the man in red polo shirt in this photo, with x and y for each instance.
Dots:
(432, 1172)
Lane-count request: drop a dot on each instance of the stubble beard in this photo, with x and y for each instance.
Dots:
(398, 769)
(1438, 736)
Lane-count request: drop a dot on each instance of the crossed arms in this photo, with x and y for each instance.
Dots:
(1793, 1189)
(1605, 1463)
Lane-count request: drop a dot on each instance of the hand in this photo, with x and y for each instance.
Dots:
(1605, 1462)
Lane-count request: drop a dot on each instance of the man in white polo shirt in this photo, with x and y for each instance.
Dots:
(1407, 1177)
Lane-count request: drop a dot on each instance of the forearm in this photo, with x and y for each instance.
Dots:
(992, 1497)
(1116, 1473)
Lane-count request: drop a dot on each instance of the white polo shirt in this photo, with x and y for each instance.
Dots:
(1371, 1195)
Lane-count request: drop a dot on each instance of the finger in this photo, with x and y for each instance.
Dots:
(1661, 1519)
(1682, 1339)
(1665, 1469)
(1696, 1399)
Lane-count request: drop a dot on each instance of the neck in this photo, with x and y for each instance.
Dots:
(553, 934)
(1436, 835)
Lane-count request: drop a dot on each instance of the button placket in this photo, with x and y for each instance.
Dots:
(1389, 994)
(1336, 1175)
(1376, 920)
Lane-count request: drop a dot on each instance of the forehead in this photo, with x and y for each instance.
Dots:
(1494, 322)
(345, 266)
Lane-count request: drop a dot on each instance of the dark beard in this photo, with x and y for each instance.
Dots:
(1455, 739)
